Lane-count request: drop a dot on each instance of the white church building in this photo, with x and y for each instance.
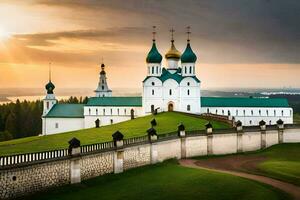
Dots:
(174, 87)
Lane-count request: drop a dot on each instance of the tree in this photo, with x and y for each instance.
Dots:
(5, 135)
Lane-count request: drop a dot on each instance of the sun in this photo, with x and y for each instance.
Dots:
(4, 34)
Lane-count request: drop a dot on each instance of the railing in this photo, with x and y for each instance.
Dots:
(96, 147)
(31, 157)
(136, 140)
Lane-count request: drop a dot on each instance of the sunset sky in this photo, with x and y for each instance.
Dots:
(239, 43)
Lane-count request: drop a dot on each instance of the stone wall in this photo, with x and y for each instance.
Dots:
(30, 177)
(24, 180)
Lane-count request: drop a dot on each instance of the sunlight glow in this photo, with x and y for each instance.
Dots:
(4, 34)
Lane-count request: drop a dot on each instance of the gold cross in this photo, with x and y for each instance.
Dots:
(172, 34)
(188, 33)
(153, 33)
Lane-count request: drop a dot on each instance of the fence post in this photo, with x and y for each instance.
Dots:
(152, 137)
(181, 134)
(263, 134)
(280, 126)
(119, 152)
(209, 130)
(74, 152)
(239, 130)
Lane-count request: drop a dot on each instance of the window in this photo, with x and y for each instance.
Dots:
(188, 92)
(185, 71)
(282, 113)
(250, 122)
(274, 112)
(111, 111)
(259, 112)
(47, 105)
(170, 92)
(153, 83)
(216, 112)
(228, 112)
(190, 69)
(89, 111)
(157, 70)
(118, 110)
(56, 125)
(251, 112)
(96, 111)
(267, 113)
(244, 111)
(207, 110)
(270, 122)
(152, 92)
(104, 111)
(111, 121)
(102, 87)
(188, 83)
(222, 112)
(188, 107)
(236, 112)
(152, 70)
(125, 111)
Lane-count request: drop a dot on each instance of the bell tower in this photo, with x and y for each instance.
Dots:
(102, 89)
(49, 101)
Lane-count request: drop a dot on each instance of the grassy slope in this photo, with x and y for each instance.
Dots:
(166, 122)
(159, 182)
(283, 162)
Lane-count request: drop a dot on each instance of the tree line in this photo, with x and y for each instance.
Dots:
(23, 119)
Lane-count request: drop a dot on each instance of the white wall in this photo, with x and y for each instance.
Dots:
(59, 125)
(253, 115)
(224, 143)
(251, 141)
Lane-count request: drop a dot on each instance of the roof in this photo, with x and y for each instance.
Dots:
(153, 55)
(188, 55)
(115, 101)
(165, 75)
(66, 111)
(243, 102)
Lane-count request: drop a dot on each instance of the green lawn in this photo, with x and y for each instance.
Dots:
(283, 163)
(166, 122)
(164, 181)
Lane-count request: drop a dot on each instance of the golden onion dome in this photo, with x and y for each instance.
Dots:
(173, 52)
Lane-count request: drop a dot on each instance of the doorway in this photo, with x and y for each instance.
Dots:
(170, 107)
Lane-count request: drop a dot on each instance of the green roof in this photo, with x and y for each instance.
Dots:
(153, 55)
(188, 55)
(66, 111)
(165, 75)
(243, 102)
(115, 101)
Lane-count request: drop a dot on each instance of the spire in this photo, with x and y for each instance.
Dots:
(153, 55)
(50, 86)
(49, 71)
(172, 35)
(188, 31)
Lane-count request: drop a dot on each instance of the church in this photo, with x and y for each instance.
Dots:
(174, 87)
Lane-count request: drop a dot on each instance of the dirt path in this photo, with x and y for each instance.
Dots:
(291, 189)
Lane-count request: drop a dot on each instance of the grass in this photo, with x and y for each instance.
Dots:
(296, 118)
(166, 122)
(158, 182)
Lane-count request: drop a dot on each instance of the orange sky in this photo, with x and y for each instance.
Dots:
(74, 37)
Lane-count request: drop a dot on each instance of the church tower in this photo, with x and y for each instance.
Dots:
(188, 58)
(49, 101)
(102, 89)
(173, 55)
(154, 59)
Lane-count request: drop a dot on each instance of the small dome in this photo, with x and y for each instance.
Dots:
(153, 55)
(173, 52)
(188, 55)
(50, 87)
(102, 69)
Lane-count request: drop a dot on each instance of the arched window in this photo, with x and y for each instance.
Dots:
(152, 92)
(274, 112)
(188, 107)
(259, 111)
(228, 112)
(104, 111)
(207, 110)
(153, 83)
(152, 70)
(47, 105)
(270, 122)
(236, 112)
(244, 111)
(89, 111)
(250, 122)
(125, 111)
(216, 111)
(96, 111)
(156, 69)
(251, 112)
(185, 71)
(111, 121)
(111, 111)
(188, 92)
(118, 110)
(102, 87)
(188, 83)
(170, 92)
(267, 111)
(222, 112)
(190, 69)
(282, 113)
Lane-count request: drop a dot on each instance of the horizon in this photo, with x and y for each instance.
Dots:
(256, 47)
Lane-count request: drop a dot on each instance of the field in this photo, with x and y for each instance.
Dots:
(159, 182)
(280, 162)
(166, 122)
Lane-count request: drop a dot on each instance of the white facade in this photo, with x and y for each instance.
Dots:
(60, 125)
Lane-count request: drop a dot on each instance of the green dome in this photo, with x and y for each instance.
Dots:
(188, 55)
(50, 87)
(153, 55)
